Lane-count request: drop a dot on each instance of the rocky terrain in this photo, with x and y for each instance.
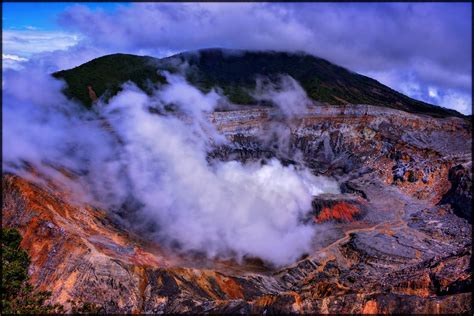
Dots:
(397, 239)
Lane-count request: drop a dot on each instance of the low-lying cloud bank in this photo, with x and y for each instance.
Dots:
(153, 169)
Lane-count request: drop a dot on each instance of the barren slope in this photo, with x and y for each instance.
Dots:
(396, 238)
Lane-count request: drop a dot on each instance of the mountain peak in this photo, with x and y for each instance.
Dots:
(235, 72)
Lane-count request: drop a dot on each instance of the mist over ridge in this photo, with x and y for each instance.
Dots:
(235, 73)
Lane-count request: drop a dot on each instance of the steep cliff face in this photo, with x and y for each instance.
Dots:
(393, 240)
(459, 195)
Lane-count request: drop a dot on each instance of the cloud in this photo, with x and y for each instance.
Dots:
(150, 26)
(433, 40)
(13, 57)
(431, 91)
(10, 61)
(25, 43)
(428, 42)
(461, 102)
(65, 59)
(224, 209)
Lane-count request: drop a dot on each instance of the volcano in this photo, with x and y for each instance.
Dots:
(379, 184)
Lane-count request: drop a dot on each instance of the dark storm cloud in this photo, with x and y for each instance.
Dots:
(429, 43)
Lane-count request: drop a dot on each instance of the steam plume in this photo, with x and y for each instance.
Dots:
(124, 150)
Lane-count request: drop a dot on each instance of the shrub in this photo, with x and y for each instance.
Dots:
(18, 296)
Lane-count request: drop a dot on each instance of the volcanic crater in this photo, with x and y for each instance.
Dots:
(397, 238)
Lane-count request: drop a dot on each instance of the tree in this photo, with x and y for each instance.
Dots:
(18, 296)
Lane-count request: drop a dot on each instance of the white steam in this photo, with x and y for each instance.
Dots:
(124, 150)
(286, 93)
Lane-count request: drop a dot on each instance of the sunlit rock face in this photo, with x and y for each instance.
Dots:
(395, 238)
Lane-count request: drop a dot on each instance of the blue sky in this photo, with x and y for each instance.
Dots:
(420, 49)
(43, 15)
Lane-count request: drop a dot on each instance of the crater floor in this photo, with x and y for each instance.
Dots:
(397, 239)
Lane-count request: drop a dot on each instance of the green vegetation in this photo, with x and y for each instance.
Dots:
(235, 72)
(106, 75)
(18, 295)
